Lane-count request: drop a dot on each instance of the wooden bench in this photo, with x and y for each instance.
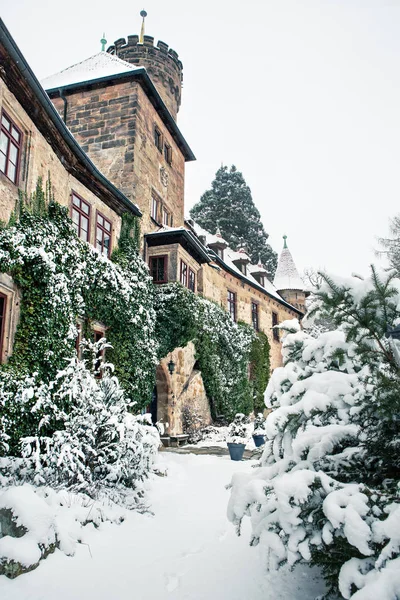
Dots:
(178, 440)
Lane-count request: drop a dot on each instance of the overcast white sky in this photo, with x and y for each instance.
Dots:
(303, 96)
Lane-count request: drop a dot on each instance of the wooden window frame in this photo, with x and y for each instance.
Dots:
(184, 274)
(275, 332)
(192, 280)
(232, 304)
(104, 232)
(165, 216)
(81, 213)
(154, 202)
(157, 257)
(168, 153)
(158, 139)
(255, 316)
(11, 140)
(2, 326)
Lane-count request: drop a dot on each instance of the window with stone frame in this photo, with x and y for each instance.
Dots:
(158, 138)
(184, 273)
(10, 148)
(192, 280)
(103, 235)
(275, 321)
(254, 316)
(158, 268)
(168, 153)
(3, 308)
(154, 208)
(231, 299)
(80, 214)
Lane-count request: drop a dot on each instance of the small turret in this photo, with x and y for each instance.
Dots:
(287, 280)
(161, 62)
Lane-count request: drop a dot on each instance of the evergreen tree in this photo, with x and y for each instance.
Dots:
(229, 207)
(328, 489)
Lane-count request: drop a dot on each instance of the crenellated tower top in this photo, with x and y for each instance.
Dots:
(161, 62)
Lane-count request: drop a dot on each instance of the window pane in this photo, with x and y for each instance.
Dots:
(83, 235)
(85, 207)
(2, 163)
(75, 216)
(106, 242)
(11, 172)
(76, 201)
(15, 134)
(3, 142)
(100, 220)
(107, 225)
(5, 122)
(13, 154)
(84, 223)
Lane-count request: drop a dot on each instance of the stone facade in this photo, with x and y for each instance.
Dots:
(162, 64)
(214, 283)
(115, 126)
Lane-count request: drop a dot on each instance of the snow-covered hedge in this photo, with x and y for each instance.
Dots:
(327, 490)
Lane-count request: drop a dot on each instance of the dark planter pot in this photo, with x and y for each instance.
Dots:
(236, 450)
(259, 440)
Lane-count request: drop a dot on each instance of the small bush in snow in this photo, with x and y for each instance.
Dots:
(238, 429)
(327, 491)
(259, 424)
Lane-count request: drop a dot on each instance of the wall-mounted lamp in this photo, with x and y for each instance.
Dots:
(171, 366)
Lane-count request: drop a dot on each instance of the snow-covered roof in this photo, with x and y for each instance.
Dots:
(287, 276)
(230, 255)
(99, 65)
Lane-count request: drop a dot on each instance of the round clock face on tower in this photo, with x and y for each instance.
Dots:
(164, 176)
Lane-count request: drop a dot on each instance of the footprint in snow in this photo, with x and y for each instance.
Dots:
(172, 582)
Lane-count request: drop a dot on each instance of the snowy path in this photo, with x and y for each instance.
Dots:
(187, 551)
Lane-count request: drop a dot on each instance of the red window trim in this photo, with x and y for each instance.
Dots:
(18, 144)
(3, 326)
(183, 263)
(104, 230)
(81, 213)
(155, 257)
(234, 303)
(257, 312)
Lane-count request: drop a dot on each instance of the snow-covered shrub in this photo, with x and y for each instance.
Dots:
(98, 446)
(63, 282)
(222, 346)
(238, 429)
(327, 490)
(259, 424)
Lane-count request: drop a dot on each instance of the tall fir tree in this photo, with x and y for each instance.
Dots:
(229, 207)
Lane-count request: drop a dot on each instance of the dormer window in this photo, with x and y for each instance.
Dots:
(219, 252)
(242, 267)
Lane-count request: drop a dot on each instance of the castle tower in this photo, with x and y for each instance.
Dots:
(287, 280)
(162, 65)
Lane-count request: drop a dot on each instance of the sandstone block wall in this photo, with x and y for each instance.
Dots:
(115, 127)
(38, 160)
(214, 284)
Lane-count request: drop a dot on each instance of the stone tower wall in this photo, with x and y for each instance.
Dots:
(161, 62)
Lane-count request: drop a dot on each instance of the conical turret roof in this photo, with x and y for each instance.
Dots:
(287, 276)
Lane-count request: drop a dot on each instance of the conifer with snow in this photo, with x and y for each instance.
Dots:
(327, 491)
(229, 207)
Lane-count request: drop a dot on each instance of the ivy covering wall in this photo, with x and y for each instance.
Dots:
(223, 347)
(63, 282)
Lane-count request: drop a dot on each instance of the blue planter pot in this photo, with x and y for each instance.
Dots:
(236, 450)
(259, 440)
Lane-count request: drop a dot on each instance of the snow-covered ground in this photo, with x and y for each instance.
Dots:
(187, 550)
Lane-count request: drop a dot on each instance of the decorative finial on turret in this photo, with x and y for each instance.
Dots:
(143, 14)
(284, 241)
(103, 43)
